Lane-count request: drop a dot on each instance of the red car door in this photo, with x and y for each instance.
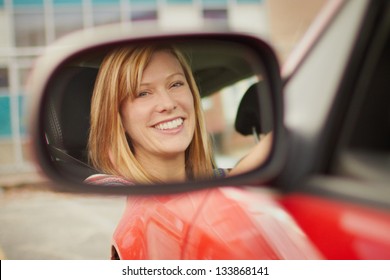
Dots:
(220, 223)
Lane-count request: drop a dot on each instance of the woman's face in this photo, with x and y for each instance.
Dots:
(160, 120)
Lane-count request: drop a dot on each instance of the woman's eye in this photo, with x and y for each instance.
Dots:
(142, 94)
(177, 84)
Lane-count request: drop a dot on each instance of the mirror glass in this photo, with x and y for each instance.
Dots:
(161, 111)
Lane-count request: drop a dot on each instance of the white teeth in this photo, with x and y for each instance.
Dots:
(170, 125)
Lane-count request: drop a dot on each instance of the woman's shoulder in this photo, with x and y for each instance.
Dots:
(106, 179)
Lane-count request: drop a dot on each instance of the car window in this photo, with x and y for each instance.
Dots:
(220, 113)
(365, 152)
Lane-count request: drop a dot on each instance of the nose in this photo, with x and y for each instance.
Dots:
(166, 102)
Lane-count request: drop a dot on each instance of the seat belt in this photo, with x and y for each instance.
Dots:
(60, 154)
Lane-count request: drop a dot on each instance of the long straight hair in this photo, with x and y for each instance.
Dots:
(110, 150)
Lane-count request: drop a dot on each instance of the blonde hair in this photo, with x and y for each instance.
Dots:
(109, 148)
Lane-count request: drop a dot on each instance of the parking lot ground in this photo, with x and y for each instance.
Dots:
(37, 223)
(18, 179)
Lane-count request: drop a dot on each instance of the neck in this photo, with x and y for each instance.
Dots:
(167, 169)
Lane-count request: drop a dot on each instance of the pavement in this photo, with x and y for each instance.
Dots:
(12, 181)
(22, 178)
(37, 223)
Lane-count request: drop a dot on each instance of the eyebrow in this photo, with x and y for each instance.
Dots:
(168, 77)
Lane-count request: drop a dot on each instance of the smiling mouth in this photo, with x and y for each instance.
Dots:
(170, 124)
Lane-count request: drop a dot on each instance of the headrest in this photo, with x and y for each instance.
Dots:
(254, 111)
(68, 116)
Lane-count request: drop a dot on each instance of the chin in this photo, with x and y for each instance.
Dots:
(174, 150)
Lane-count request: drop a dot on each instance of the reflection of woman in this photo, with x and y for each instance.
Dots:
(146, 120)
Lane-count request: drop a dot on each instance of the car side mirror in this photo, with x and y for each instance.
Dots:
(236, 93)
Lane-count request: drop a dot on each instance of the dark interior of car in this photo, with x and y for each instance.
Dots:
(67, 121)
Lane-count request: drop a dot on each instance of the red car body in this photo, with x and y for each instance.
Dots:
(235, 223)
(344, 230)
(222, 223)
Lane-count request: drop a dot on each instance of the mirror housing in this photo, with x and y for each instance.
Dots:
(70, 47)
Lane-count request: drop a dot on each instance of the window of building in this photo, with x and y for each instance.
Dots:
(214, 3)
(5, 116)
(5, 121)
(249, 1)
(67, 2)
(106, 2)
(149, 3)
(105, 14)
(215, 14)
(29, 26)
(24, 3)
(143, 10)
(143, 14)
(3, 78)
(22, 111)
(67, 18)
(179, 1)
